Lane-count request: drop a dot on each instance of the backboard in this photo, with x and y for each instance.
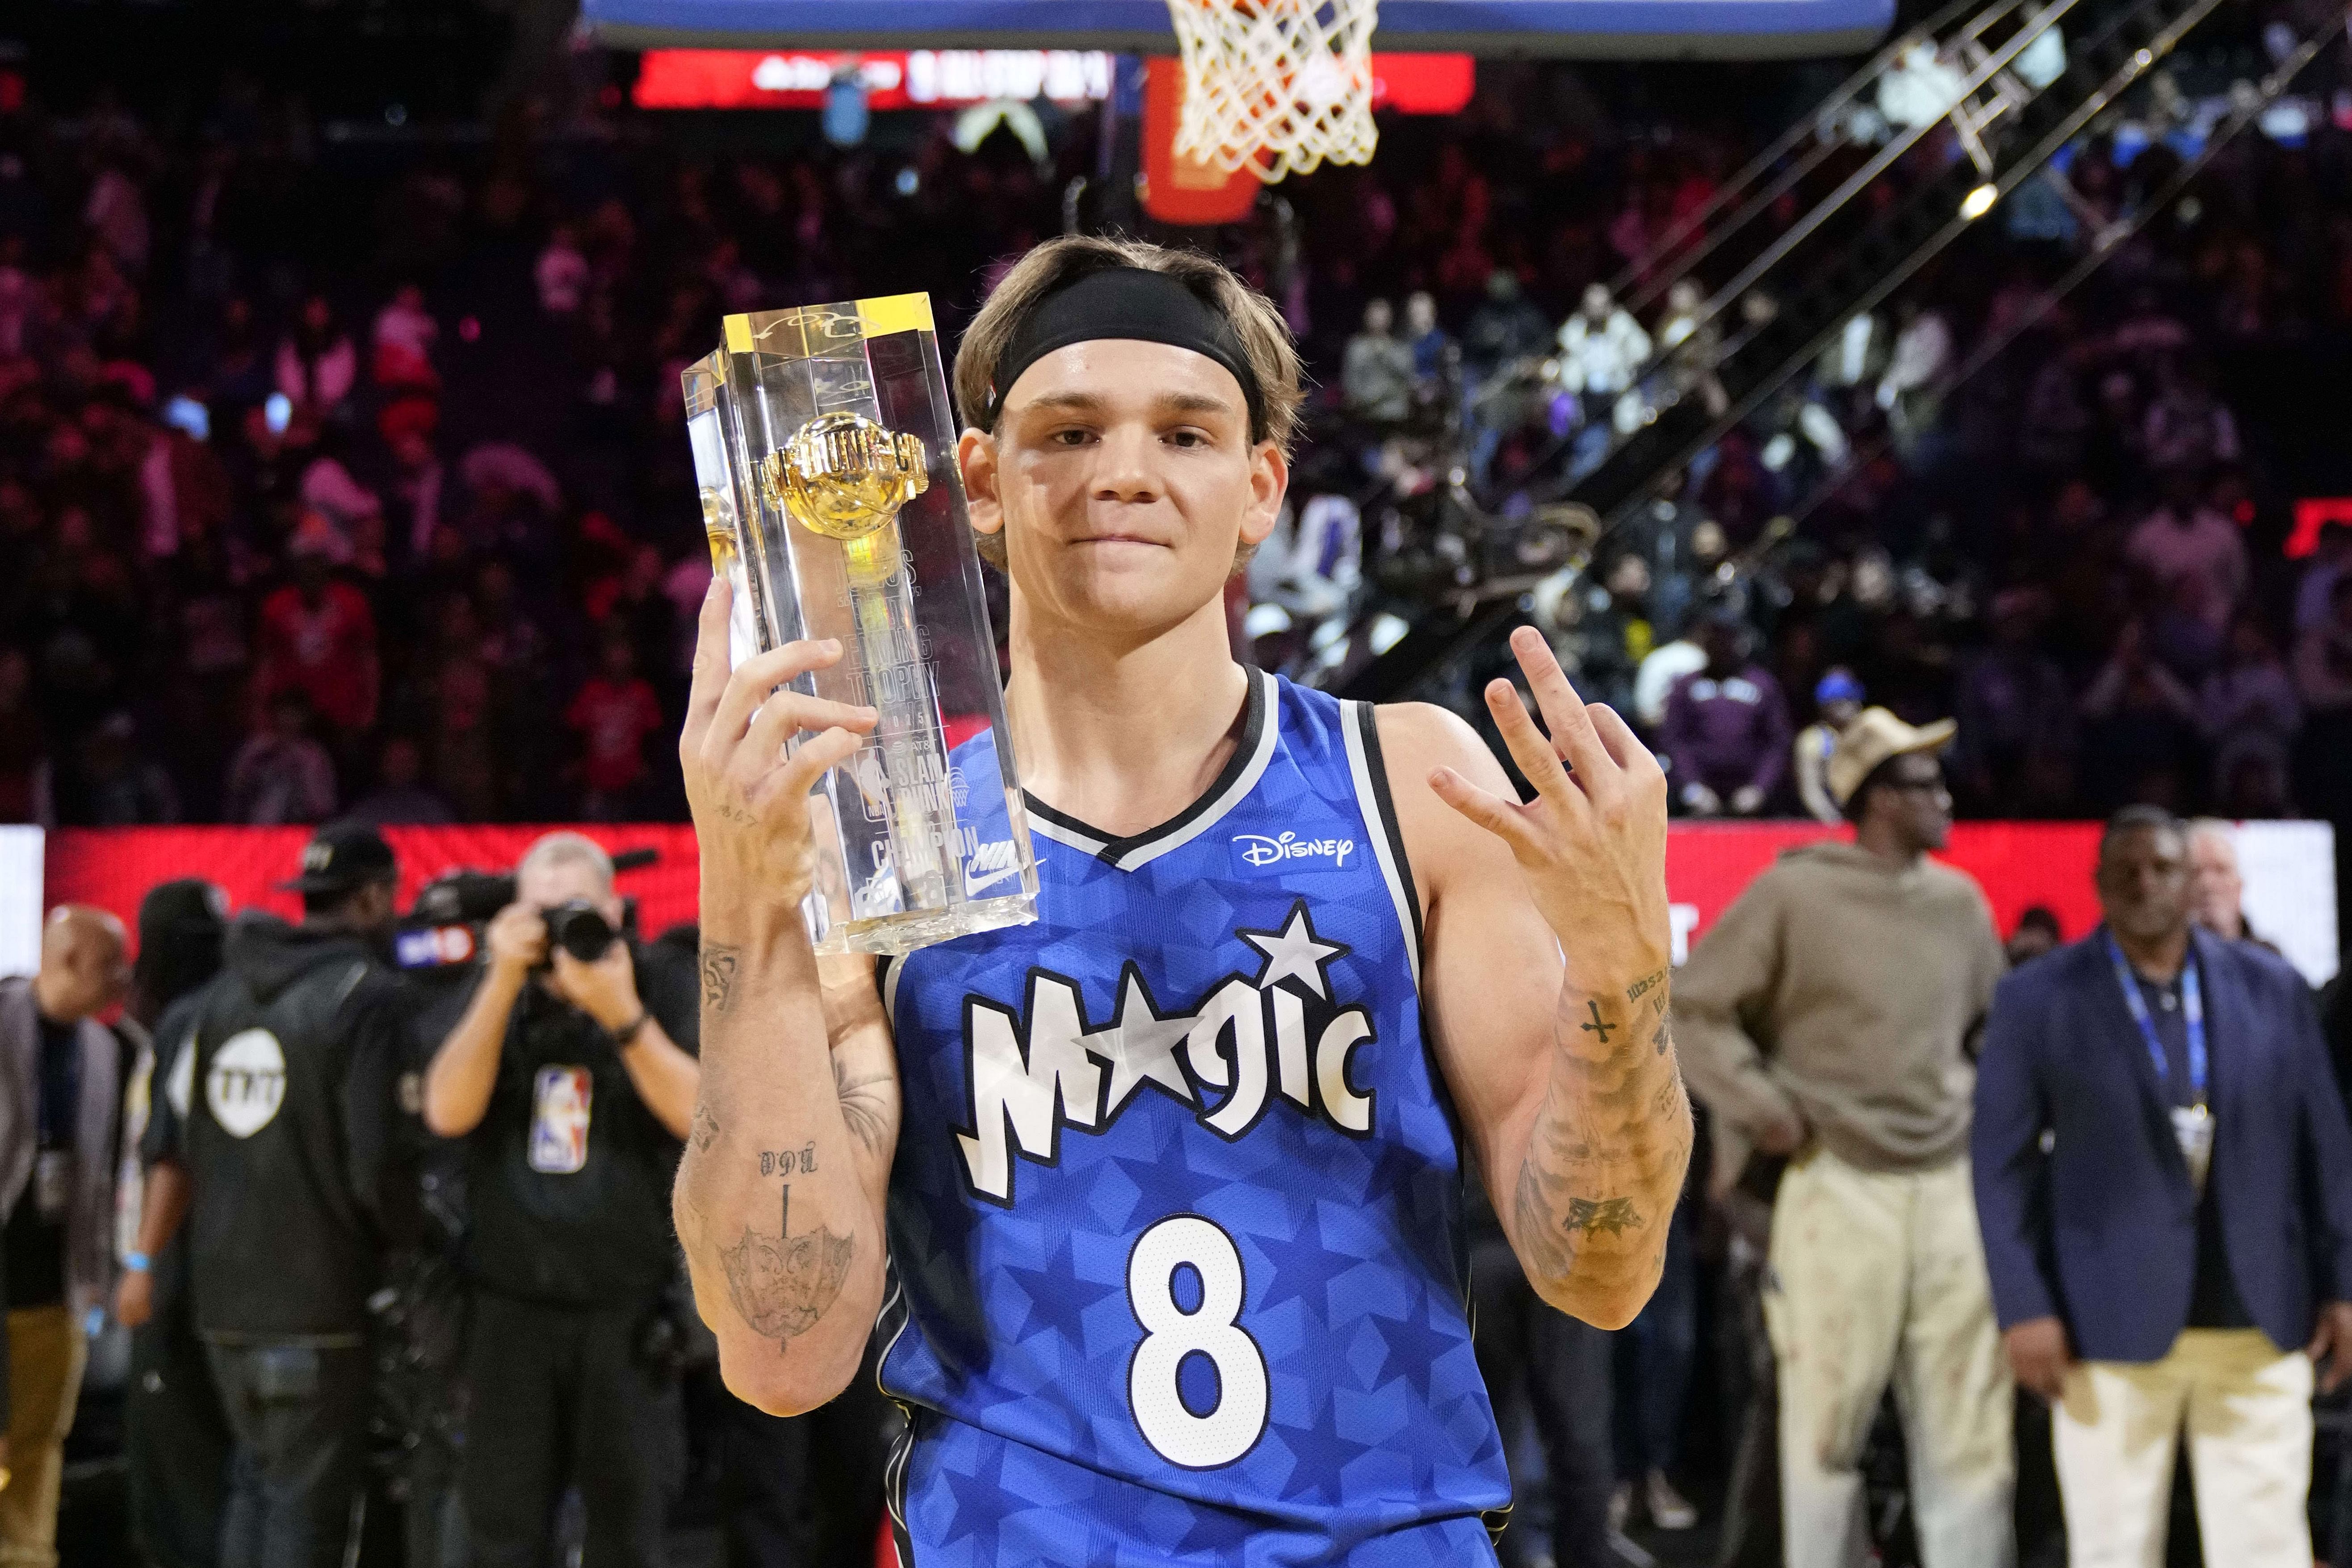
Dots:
(1586, 29)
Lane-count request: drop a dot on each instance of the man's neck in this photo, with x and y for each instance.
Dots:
(45, 1003)
(2159, 958)
(1122, 735)
(1894, 847)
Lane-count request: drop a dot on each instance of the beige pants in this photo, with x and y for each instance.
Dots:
(46, 1352)
(2248, 1410)
(1875, 1279)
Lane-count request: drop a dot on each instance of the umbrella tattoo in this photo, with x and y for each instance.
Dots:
(783, 1284)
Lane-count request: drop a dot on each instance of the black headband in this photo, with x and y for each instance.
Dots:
(1125, 302)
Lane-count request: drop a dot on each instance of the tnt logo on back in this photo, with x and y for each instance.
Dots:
(1254, 855)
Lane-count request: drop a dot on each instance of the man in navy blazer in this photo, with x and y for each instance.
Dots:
(2164, 1181)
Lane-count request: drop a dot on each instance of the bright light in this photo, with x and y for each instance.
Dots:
(1977, 203)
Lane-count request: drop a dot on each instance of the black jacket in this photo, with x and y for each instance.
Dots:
(285, 1132)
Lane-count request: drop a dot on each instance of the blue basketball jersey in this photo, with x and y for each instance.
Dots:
(1178, 1258)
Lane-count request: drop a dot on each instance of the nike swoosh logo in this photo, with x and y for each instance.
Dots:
(975, 884)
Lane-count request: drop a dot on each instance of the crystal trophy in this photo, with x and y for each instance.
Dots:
(825, 449)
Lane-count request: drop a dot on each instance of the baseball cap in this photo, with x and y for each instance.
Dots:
(342, 856)
(1874, 736)
(1838, 686)
(186, 906)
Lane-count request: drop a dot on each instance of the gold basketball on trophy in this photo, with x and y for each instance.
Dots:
(844, 476)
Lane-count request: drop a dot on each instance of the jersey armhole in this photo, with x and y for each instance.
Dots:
(1359, 724)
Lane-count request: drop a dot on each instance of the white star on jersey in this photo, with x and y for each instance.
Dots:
(1292, 953)
(1140, 1046)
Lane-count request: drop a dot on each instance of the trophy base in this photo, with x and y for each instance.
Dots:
(902, 934)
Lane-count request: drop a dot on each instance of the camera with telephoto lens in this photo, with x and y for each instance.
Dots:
(445, 925)
(579, 929)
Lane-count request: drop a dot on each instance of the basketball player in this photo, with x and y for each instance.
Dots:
(1168, 1182)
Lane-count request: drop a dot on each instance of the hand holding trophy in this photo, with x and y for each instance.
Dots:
(823, 446)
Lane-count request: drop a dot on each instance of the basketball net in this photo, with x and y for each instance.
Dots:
(1276, 86)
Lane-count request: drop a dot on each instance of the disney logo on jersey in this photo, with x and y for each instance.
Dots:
(1254, 852)
(1247, 1042)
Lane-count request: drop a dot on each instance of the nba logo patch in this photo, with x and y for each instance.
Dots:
(559, 1119)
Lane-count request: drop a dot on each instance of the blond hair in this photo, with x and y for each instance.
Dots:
(1264, 335)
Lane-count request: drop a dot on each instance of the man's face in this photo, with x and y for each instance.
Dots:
(2215, 889)
(85, 974)
(546, 884)
(2144, 882)
(1912, 788)
(1125, 481)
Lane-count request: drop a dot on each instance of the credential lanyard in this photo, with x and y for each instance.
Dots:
(2193, 1011)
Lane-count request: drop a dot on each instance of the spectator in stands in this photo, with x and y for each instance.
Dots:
(317, 366)
(2142, 1095)
(400, 796)
(2248, 707)
(1837, 702)
(1601, 349)
(1825, 1017)
(612, 713)
(1377, 376)
(1429, 341)
(280, 775)
(2016, 749)
(2323, 676)
(1726, 733)
(1507, 327)
(1910, 394)
(2330, 556)
(2142, 726)
(319, 638)
(404, 334)
(114, 782)
(56, 1188)
(2185, 548)
(2188, 428)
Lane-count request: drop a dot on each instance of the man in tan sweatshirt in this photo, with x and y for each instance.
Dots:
(1828, 1016)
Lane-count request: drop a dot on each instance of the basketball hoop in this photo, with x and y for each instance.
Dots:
(1276, 86)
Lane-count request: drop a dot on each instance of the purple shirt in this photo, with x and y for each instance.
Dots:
(1727, 733)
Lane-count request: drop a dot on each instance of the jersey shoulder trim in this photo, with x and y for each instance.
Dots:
(1260, 729)
(1359, 727)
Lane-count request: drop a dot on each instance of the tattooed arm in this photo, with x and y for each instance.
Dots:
(1545, 969)
(779, 1198)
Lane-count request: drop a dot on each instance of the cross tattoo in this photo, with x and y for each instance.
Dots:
(1597, 1026)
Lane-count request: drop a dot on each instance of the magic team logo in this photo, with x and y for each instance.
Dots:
(1247, 1042)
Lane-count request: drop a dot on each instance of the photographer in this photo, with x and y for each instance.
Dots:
(573, 1079)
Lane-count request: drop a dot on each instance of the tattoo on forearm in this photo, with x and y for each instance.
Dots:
(1588, 1216)
(785, 1161)
(718, 966)
(865, 1105)
(782, 1285)
(1614, 1122)
(704, 1131)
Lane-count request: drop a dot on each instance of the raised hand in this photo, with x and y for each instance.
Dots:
(746, 781)
(1593, 843)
